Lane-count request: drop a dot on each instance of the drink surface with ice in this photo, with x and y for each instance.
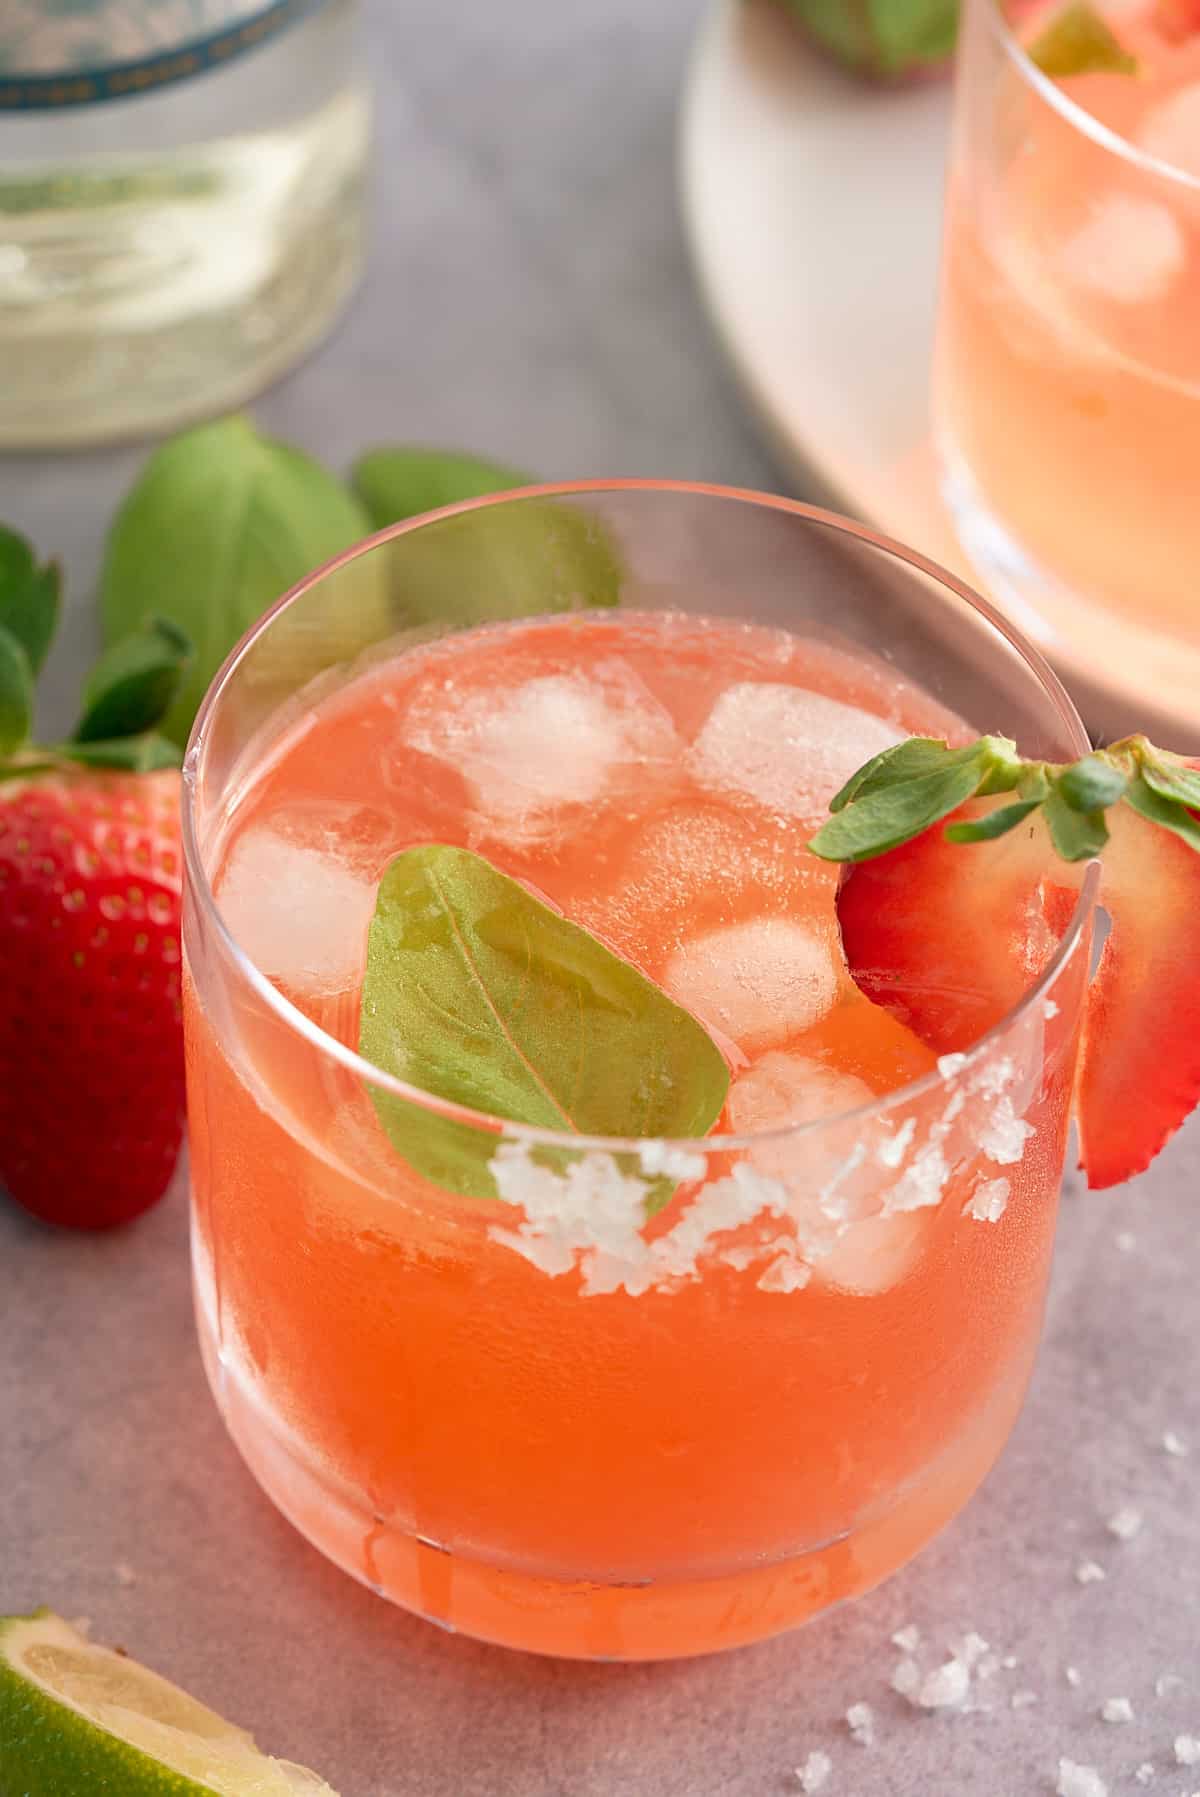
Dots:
(1068, 359)
(547, 1421)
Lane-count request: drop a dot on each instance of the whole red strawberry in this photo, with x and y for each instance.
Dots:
(91, 1052)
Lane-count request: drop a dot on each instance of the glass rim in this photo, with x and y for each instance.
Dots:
(533, 1135)
(1076, 115)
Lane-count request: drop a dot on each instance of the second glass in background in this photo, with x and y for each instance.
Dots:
(1067, 380)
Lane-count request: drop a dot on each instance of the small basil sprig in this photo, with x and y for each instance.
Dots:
(125, 697)
(916, 784)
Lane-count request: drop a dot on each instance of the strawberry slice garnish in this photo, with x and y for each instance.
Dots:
(949, 939)
(91, 1052)
(946, 941)
(1139, 1067)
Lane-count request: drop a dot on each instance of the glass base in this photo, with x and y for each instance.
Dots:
(1136, 677)
(581, 1618)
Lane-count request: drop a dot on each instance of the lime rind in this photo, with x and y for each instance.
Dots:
(77, 1718)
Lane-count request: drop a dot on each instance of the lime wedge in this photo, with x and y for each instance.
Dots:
(1077, 41)
(77, 1719)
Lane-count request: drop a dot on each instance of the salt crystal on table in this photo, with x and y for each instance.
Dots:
(1125, 1523)
(860, 1719)
(945, 1687)
(906, 1680)
(1126, 1241)
(971, 1649)
(1187, 1750)
(814, 1773)
(908, 1638)
(1174, 1444)
(1010, 1662)
(1088, 1573)
(1074, 1677)
(1079, 1781)
(1116, 1709)
(1145, 1773)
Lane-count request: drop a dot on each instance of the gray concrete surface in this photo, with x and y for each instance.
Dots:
(529, 296)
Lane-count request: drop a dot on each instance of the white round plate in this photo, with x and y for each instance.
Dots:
(813, 204)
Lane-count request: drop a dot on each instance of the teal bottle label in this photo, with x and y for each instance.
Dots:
(83, 52)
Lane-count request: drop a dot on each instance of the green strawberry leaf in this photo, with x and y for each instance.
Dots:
(16, 693)
(889, 816)
(1091, 784)
(132, 686)
(219, 525)
(1078, 41)
(909, 33)
(478, 993)
(912, 759)
(881, 37)
(29, 598)
(1171, 778)
(896, 795)
(1172, 814)
(402, 483)
(1076, 835)
(993, 823)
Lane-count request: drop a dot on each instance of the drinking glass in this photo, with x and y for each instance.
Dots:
(1067, 365)
(671, 1440)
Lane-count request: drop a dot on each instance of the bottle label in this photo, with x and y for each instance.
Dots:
(82, 52)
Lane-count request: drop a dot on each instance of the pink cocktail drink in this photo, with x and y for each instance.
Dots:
(1067, 389)
(549, 1418)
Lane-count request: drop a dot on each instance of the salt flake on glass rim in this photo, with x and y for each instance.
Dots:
(989, 1201)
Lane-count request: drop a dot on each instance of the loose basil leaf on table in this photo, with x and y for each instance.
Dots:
(402, 483)
(221, 522)
(512, 561)
(29, 597)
